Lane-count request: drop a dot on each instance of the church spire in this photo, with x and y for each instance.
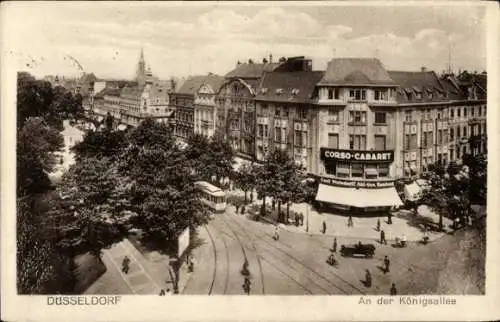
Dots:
(142, 55)
(141, 68)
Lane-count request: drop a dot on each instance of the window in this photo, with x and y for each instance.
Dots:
(418, 95)
(264, 109)
(472, 111)
(439, 116)
(383, 170)
(357, 117)
(458, 131)
(302, 112)
(427, 139)
(266, 131)
(440, 137)
(452, 134)
(342, 169)
(333, 140)
(260, 132)
(298, 138)
(408, 116)
(330, 93)
(465, 131)
(380, 95)
(277, 111)
(380, 117)
(452, 113)
(480, 111)
(458, 112)
(285, 111)
(357, 94)
(333, 115)
(357, 142)
(336, 94)
(379, 142)
(410, 141)
(357, 170)
(465, 112)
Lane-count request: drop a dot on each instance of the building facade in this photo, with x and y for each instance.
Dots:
(204, 105)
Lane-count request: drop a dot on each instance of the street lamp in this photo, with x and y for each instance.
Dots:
(307, 219)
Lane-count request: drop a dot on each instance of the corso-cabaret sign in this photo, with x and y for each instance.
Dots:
(356, 156)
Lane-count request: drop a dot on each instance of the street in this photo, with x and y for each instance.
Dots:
(296, 263)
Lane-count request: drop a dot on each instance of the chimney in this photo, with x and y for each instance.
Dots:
(423, 69)
(270, 58)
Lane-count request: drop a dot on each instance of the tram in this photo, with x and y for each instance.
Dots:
(212, 196)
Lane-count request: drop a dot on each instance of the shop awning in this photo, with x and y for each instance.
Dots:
(361, 198)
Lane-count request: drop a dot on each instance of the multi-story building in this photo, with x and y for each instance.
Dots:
(235, 105)
(131, 102)
(204, 105)
(357, 136)
(286, 113)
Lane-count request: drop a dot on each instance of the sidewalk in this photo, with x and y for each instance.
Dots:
(363, 227)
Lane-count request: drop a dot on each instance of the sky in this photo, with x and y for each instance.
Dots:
(181, 39)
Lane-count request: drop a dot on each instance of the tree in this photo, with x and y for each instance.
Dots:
(477, 175)
(94, 197)
(196, 153)
(245, 178)
(41, 269)
(163, 198)
(37, 144)
(219, 162)
(99, 144)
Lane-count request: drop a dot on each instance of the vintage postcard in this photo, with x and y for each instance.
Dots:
(260, 161)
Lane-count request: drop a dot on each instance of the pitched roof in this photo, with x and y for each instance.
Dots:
(134, 91)
(356, 71)
(246, 70)
(107, 91)
(214, 81)
(288, 86)
(425, 83)
(191, 85)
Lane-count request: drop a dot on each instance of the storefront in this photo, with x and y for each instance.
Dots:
(357, 181)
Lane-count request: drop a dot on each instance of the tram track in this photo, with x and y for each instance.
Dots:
(216, 262)
(264, 238)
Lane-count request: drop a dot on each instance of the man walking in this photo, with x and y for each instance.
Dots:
(378, 224)
(350, 222)
(368, 278)
(382, 237)
(394, 291)
(334, 248)
(387, 263)
(125, 264)
(301, 219)
(324, 227)
(389, 218)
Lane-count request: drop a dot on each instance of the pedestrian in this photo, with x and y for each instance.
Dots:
(469, 218)
(403, 240)
(276, 233)
(378, 224)
(301, 219)
(394, 291)
(237, 207)
(324, 227)
(246, 285)
(251, 196)
(387, 264)
(169, 292)
(125, 264)
(368, 278)
(297, 219)
(389, 218)
(456, 222)
(162, 292)
(350, 222)
(382, 237)
(334, 248)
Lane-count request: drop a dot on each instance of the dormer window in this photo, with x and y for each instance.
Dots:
(295, 91)
(279, 91)
(263, 90)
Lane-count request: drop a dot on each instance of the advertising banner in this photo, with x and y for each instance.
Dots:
(356, 156)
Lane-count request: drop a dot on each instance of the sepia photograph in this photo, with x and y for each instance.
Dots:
(286, 149)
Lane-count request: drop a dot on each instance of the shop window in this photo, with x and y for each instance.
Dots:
(383, 170)
(357, 170)
(342, 170)
(333, 140)
(260, 131)
(380, 142)
(380, 117)
(371, 171)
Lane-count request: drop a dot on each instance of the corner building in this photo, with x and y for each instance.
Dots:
(356, 137)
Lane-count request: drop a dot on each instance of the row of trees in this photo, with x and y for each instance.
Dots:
(41, 109)
(453, 189)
